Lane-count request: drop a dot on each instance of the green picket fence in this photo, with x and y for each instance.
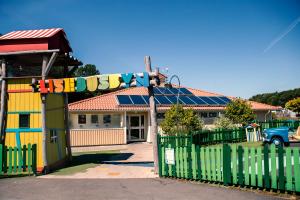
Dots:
(15, 160)
(262, 167)
(279, 123)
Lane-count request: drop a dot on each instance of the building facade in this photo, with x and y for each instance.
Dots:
(123, 116)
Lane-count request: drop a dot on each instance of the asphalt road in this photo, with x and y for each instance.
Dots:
(55, 189)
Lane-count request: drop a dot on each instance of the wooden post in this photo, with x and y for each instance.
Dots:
(68, 137)
(43, 115)
(153, 121)
(3, 101)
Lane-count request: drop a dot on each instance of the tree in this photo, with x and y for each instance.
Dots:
(86, 70)
(239, 112)
(223, 123)
(293, 105)
(179, 120)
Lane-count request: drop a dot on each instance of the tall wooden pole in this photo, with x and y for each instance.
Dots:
(153, 117)
(43, 113)
(66, 102)
(3, 101)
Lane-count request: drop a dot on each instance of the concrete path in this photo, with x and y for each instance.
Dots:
(30, 188)
(135, 161)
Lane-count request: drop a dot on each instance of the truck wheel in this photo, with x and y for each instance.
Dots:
(277, 141)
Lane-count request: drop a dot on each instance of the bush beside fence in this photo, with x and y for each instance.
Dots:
(279, 123)
(262, 167)
(15, 161)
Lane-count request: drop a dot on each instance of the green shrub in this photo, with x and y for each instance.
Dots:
(224, 123)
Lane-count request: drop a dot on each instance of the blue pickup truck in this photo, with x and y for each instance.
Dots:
(277, 136)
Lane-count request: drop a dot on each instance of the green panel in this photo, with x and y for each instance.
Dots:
(289, 178)
(218, 166)
(185, 156)
(246, 157)
(1, 158)
(194, 162)
(177, 161)
(240, 166)
(266, 167)
(198, 162)
(34, 158)
(281, 169)
(170, 166)
(208, 163)
(4, 159)
(10, 160)
(29, 158)
(24, 157)
(259, 167)
(15, 151)
(296, 169)
(163, 168)
(253, 171)
(213, 162)
(203, 168)
(273, 167)
(234, 163)
(181, 162)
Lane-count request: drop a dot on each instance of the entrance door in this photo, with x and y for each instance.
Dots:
(136, 128)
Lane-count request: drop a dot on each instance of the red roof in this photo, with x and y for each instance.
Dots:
(42, 33)
(108, 102)
(28, 40)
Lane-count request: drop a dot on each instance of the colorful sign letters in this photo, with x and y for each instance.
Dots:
(93, 83)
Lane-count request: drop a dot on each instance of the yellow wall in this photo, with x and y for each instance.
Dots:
(29, 102)
(55, 121)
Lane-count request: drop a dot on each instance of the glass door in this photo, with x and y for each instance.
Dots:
(136, 128)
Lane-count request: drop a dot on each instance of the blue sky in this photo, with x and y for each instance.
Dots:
(238, 48)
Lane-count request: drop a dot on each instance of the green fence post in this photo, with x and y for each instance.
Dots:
(240, 166)
(266, 167)
(246, 166)
(198, 162)
(15, 150)
(289, 176)
(24, 158)
(273, 167)
(194, 162)
(226, 164)
(281, 169)
(259, 168)
(297, 169)
(253, 168)
(1, 159)
(29, 158)
(234, 163)
(4, 159)
(34, 159)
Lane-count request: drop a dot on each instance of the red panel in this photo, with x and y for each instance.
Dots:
(23, 45)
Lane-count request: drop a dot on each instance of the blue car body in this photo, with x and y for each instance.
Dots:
(281, 132)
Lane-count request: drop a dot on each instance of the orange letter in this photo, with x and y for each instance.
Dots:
(59, 85)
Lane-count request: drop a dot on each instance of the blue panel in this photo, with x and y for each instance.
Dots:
(137, 100)
(217, 100)
(208, 100)
(173, 99)
(156, 91)
(197, 100)
(124, 99)
(185, 91)
(186, 100)
(163, 100)
(146, 98)
(155, 99)
(167, 91)
(225, 99)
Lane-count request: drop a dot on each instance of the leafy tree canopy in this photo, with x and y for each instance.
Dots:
(277, 98)
(223, 123)
(293, 105)
(179, 120)
(239, 112)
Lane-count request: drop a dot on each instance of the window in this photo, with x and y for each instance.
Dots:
(204, 115)
(94, 119)
(106, 119)
(81, 119)
(24, 120)
(213, 114)
(53, 136)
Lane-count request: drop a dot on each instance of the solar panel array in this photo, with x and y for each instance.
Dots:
(190, 100)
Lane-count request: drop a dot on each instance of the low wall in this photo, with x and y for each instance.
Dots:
(90, 137)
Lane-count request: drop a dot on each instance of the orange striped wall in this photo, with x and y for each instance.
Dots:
(89, 137)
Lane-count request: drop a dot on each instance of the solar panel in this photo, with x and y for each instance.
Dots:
(185, 91)
(225, 99)
(124, 99)
(146, 98)
(172, 99)
(207, 100)
(163, 100)
(186, 100)
(217, 100)
(156, 91)
(137, 99)
(197, 100)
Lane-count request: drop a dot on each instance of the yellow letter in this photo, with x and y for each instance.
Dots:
(114, 81)
(92, 83)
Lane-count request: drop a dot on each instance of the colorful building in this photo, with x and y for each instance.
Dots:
(26, 116)
(124, 116)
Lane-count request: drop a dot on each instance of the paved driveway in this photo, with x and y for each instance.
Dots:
(30, 188)
(134, 161)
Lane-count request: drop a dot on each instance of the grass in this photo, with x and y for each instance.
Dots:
(81, 161)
